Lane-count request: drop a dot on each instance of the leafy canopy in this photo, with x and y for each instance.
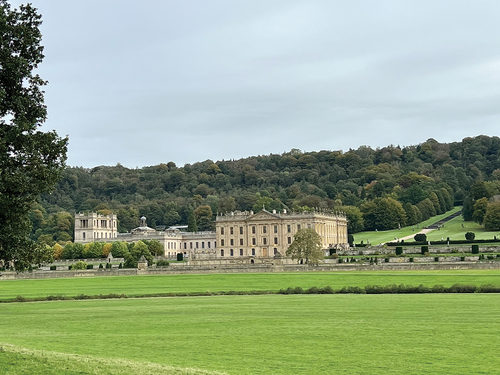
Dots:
(306, 246)
(31, 161)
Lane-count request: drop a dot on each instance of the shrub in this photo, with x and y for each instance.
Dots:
(424, 249)
(350, 239)
(469, 236)
(108, 265)
(162, 263)
(101, 266)
(180, 257)
(488, 288)
(436, 259)
(459, 288)
(475, 248)
(438, 289)
(420, 237)
(411, 259)
(399, 250)
(53, 268)
(462, 259)
(120, 265)
(90, 266)
(490, 257)
(80, 265)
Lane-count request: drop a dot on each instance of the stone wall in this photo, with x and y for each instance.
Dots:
(256, 268)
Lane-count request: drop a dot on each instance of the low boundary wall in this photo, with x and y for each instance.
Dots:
(187, 269)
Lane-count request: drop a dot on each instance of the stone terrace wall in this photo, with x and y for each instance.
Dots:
(254, 269)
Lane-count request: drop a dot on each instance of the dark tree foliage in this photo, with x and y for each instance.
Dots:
(31, 161)
(424, 179)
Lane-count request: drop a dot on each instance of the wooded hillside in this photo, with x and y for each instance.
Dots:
(377, 188)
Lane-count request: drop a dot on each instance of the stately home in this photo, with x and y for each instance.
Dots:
(268, 234)
(93, 227)
(237, 235)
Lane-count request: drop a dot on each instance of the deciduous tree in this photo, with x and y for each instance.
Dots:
(31, 161)
(306, 246)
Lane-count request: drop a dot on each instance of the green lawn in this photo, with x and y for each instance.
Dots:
(375, 238)
(455, 231)
(278, 334)
(137, 285)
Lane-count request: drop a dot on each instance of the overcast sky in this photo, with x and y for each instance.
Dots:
(152, 81)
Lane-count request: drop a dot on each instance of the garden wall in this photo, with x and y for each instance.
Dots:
(187, 269)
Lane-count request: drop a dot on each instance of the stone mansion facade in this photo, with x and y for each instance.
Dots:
(268, 234)
(237, 234)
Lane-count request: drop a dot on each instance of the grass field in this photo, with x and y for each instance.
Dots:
(455, 231)
(375, 238)
(139, 285)
(305, 334)
(452, 229)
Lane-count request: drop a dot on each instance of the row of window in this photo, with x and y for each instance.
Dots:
(99, 235)
(231, 252)
(264, 229)
(254, 241)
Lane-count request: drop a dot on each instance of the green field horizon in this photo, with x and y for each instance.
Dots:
(299, 334)
(138, 285)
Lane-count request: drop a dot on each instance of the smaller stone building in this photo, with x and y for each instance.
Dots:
(93, 227)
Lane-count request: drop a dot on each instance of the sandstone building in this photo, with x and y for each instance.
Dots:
(267, 234)
(237, 235)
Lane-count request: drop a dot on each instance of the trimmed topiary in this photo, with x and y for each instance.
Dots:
(475, 249)
(424, 249)
(399, 250)
(420, 237)
(469, 236)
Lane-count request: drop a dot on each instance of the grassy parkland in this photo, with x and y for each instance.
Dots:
(182, 283)
(251, 334)
(279, 334)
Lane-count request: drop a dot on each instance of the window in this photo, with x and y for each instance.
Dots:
(253, 241)
(232, 241)
(275, 229)
(264, 229)
(222, 230)
(309, 225)
(231, 252)
(298, 226)
(208, 243)
(241, 230)
(253, 251)
(241, 241)
(241, 252)
(196, 244)
(231, 230)
(222, 253)
(264, 241)
(203, 245)
(288, 228)
(253, 230)
(222, 242)
(83, 235)
(289, 240)
(275, 240)
(190, 245)
(185, 245)
(275, 251)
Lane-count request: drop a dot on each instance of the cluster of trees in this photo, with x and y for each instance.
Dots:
(377, 188)
(482, 205)
(131, 252)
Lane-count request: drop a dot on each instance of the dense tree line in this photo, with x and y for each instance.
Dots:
(379, 188)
